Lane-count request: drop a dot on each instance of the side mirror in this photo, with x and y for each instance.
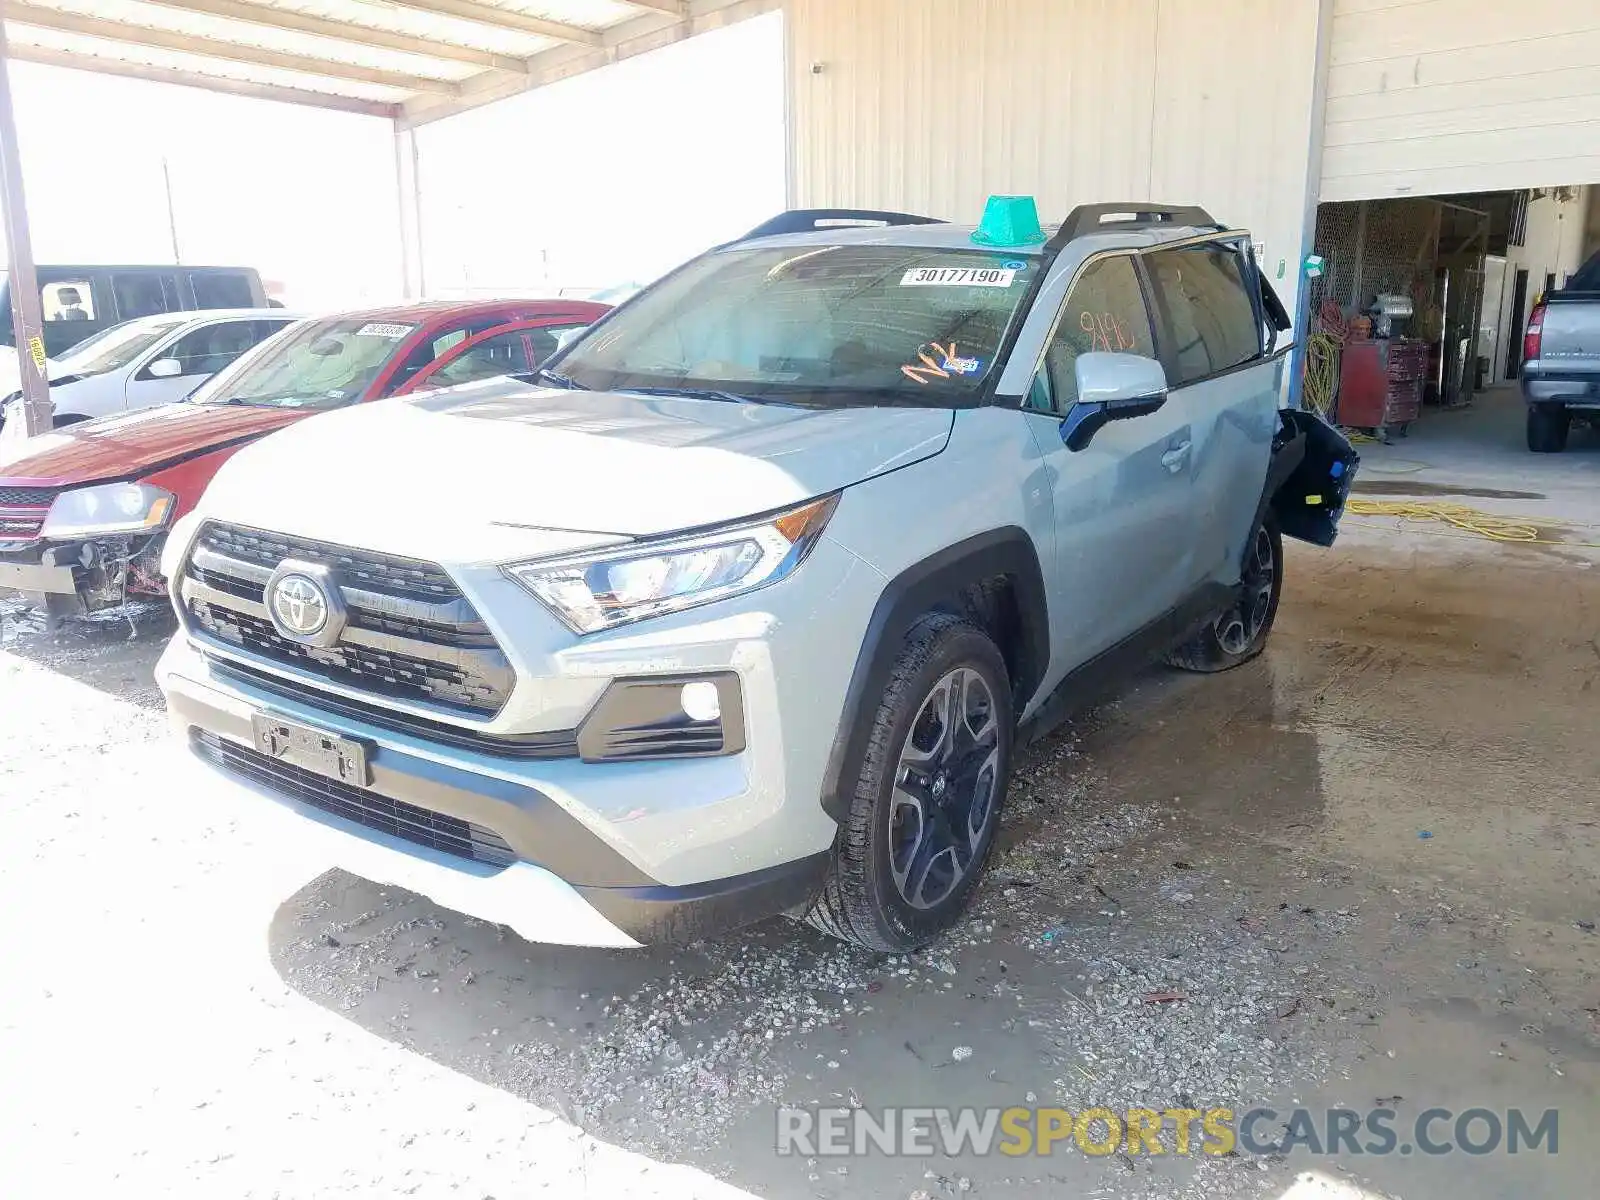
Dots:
(1112, 387)
(165, 368)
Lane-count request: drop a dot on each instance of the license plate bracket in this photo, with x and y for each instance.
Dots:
(327, 754)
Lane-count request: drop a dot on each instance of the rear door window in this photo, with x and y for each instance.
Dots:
(141, 293)
(68, 300)
(1105, 311)
(1207, 316)
(221, 289)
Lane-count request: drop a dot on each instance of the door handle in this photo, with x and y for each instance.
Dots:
(1174, 458)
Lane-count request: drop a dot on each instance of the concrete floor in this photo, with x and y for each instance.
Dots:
(1367, 862)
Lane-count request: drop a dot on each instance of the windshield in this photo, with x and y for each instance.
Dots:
(317, 364)
(814, 325)
(115, 347)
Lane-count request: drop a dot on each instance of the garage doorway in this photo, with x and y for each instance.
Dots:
(1423, 300)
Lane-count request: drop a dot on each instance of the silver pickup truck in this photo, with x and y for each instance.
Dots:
(1561, 360)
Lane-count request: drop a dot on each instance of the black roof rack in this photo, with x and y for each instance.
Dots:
(808, 220)
(1097, 218)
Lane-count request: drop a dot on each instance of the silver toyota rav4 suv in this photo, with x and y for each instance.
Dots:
(740, 605)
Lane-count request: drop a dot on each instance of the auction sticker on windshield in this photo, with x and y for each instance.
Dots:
(958, 277)
(383, 330)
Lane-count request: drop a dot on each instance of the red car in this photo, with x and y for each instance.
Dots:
(83, 510)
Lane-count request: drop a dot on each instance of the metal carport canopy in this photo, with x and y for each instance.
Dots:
(413, 61)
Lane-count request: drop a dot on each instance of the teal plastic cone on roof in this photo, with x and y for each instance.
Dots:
(1009, 221)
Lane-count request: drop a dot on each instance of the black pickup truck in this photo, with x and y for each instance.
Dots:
(1561, 360)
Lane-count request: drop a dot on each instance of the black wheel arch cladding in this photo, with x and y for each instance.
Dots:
(943, 582)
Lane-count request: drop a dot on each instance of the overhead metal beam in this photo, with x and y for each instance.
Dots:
(50, 57)
(673, 8)
(505, 18)
(18, 13)
(636, 36)
(347, 31)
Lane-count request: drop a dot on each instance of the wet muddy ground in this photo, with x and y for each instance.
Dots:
(1364, 869)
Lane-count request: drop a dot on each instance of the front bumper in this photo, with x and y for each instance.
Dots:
(85, 575)
(33, 577)
(575, 879)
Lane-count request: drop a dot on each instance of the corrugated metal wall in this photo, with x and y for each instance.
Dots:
(934, 104)
(1233, 114)
(1430, 96)
(931, 105)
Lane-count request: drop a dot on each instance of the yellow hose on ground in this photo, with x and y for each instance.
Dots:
(1475, 521)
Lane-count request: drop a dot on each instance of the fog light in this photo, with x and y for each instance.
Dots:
(700, 701)
(664, 716)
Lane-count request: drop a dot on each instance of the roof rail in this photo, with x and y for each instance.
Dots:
(808, 220)
(1094, 218)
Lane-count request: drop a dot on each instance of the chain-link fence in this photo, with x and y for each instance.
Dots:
(1394, 253)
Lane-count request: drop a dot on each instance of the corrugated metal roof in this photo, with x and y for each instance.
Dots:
(412, 60)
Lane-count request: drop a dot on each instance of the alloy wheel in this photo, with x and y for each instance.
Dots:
(945, 788)
(1238, 628)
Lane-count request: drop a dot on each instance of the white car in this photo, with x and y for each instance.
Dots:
(152, 360)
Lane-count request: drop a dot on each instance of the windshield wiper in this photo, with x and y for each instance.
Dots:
(275, 400)
(691, 393)
(560, 380)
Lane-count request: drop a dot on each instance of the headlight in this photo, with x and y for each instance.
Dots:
(108, 508)
(177, 544)
(598, 591)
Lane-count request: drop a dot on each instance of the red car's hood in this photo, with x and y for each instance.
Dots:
(132, 444)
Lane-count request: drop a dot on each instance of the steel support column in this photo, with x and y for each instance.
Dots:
(408, 196)
(26, 313)
(1313, 188)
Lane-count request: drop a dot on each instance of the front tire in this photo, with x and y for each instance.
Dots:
(927, 800)
(1548, 425)
(1240, 633)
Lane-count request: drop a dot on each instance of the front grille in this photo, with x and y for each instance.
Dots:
(22, 512)
(23, 497)
(420, 826)
(403, 577)
(411, 635)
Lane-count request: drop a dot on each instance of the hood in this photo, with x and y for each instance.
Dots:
(11, 371)
(454, 474)
(132, 444)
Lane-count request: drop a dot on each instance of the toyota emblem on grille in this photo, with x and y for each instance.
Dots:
(300, 605)
(304, 603)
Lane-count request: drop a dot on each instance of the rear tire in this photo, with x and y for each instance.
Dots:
(927, 800)
(1240, 633)
(1548, 425)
